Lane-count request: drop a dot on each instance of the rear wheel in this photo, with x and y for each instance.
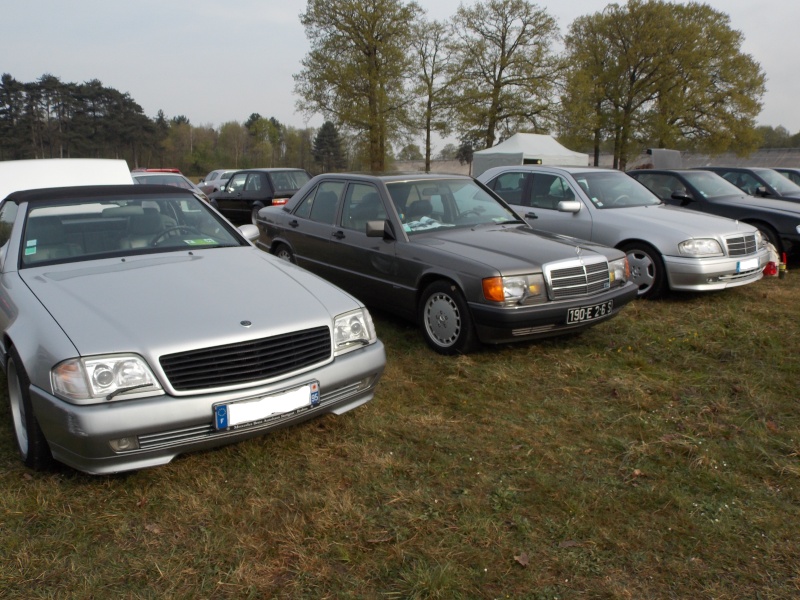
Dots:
(254, 213)
(445, 319)
(647, 269)
(283, 252)
(32, 445)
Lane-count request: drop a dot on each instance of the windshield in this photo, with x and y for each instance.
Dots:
(783, 184)
(711, 185)
(614, 189)
(426, 204)
(86, 229)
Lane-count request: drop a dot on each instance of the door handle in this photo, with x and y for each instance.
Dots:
(294, 223)
(531, 215)
(339, 235)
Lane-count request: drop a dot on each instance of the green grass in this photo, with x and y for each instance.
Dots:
(655, 456)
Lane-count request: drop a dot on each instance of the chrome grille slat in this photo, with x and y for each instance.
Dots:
(577, 278)
(246, 362)
(741, 245)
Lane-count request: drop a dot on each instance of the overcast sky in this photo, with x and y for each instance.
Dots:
(215, 61)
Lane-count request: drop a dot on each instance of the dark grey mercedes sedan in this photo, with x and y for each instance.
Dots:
(446, 252)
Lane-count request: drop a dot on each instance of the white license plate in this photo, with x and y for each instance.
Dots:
(589, 313)
(747, 265)
(254, 412)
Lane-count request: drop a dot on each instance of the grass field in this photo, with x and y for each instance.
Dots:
(655, 456)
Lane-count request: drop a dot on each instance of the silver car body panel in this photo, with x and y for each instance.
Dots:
(663, 227)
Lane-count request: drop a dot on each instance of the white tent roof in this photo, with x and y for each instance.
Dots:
(527, 148)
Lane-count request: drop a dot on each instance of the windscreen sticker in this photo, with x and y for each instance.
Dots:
(200, 242)
(31, 243)
(30, 251)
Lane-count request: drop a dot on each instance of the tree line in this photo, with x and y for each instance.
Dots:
(648, 73)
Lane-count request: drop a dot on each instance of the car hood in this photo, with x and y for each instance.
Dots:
(770, 204)
(164, 303)
(683, 222)
(508, 246)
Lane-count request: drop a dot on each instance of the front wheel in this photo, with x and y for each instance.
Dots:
(445, 319)
(32, 445)
(647, 269)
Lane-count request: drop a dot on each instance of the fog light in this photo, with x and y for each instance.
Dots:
(124, 444)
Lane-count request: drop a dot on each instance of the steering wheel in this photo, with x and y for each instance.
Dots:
(171, 231)
(620, 199)
(466, 213)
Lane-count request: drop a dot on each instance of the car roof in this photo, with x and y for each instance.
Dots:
(394, 176)
(67, 194)
(534, 168)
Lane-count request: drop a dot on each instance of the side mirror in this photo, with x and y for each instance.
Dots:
(682, 196)
(762, 191)
(570, 206)
(249, 231)
(381, 229)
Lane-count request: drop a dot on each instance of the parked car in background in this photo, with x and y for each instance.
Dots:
(168, 178)
(708, 192)
(792, 174)
(444, 252)
(667, 247)
(215, 180)
(23, 174)
(757, 181)
(250, 190)
(130, 334)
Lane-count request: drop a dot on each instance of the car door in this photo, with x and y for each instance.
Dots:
(310, 227)
(230, 200)
(541, 206)
(366, 265)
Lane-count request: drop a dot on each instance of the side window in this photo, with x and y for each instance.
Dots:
(560, 190)
(509, 186)
(254, 183)
(236, 183)
(361, 204)
(326, 201)
(8, 214)
(661, 185)
(541, 191)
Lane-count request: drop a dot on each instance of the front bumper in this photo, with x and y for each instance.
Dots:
(708, 274)
(166, 426)
(498, 325)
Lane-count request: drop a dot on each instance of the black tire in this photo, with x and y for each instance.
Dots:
(770, 235)
(445, 319)
(254, 213)
(31, 443)
(647, 269)
(283, 252)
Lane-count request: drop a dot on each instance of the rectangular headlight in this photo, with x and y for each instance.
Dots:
(618, 271)
(518, 289)
(103, 377)
(700, 247)
(353, 330)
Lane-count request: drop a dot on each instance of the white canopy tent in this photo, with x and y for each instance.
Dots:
(527, 149)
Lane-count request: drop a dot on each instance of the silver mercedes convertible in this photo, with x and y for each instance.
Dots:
(138, 324)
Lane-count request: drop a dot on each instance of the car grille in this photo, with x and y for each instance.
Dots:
(577, 278)
(246, 362)
(741, 245)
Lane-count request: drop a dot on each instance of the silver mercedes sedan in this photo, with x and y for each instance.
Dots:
(667, 247)
(138, 324)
